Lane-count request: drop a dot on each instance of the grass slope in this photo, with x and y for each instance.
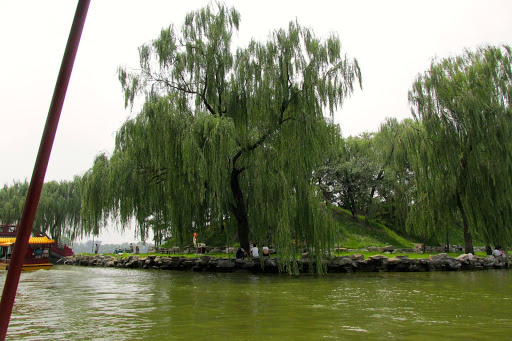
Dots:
(356, 235)
(352, 234)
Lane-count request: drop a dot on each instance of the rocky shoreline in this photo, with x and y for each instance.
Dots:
(344, 264)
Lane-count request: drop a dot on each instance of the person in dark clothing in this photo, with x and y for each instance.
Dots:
(240, 253)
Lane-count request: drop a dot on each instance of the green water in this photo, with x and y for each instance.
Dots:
(80, 303)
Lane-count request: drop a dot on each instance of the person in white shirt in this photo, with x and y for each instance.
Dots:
(266, 251)
(254, 251)
(497, 252)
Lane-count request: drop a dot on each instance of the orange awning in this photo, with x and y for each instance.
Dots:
(32, 240)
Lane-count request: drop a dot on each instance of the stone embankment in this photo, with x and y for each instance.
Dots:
(353, 263)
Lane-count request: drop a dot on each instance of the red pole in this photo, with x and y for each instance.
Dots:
(41, 164)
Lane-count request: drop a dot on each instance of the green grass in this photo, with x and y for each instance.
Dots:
(410, 255)
(352, 235)
(356, 235)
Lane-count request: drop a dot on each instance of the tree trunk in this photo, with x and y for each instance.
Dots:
(372, 194)
(468, 239)
(447, 247)
(240, 210)
(353, 209)
(488, 249)
(367, 210)
(352, 203)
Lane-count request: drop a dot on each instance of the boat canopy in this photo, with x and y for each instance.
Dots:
(31, 241)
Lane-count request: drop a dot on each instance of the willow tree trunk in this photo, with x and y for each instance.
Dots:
(488, 249)
(447, 245)
(240, 210)
(372, 193)
(468, 239)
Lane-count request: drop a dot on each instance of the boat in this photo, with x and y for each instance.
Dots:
(59, 251)
(37, 255)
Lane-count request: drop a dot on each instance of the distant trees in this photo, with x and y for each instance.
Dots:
(12, 200)
(348, 177)
(370, 175)
(58, 212)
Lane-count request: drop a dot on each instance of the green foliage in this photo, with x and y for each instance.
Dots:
(356, 235)
(395, 190)
(348, 176)
(12, 200)
(226, 136)
(462, 149)
(370, 175)
(58, 212)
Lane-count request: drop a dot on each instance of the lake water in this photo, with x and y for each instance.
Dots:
(86, 303)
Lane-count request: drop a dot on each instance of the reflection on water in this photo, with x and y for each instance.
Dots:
(70, 303)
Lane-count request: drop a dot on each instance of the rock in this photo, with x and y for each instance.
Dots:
(420, 247)
(340, 264)
(245, 264)
(380, 262)
(212, 264)
(463, 258)
(440, 256)
(225, 264)
(204, 260)
(473, 257)
(187, 263)
(365, 265)
(356, 256)
(354, 262)
(398, 264)
(389, 248)
(442, 262)
(488, 262)
(453, 264)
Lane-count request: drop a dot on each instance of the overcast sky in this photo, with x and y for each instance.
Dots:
(392, 40)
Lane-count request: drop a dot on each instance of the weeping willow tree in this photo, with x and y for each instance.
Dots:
(226, 135)
(12, 200)
(58, 212)
(464, 154)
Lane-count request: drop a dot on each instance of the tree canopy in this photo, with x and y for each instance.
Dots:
(226, 134)
(58, 212)
(463, 149)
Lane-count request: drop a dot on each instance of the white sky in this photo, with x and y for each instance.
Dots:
(392, 40)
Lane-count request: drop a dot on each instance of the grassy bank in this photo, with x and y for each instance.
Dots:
(356, 235)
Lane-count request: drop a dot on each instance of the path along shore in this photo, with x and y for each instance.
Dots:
(344, 264)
